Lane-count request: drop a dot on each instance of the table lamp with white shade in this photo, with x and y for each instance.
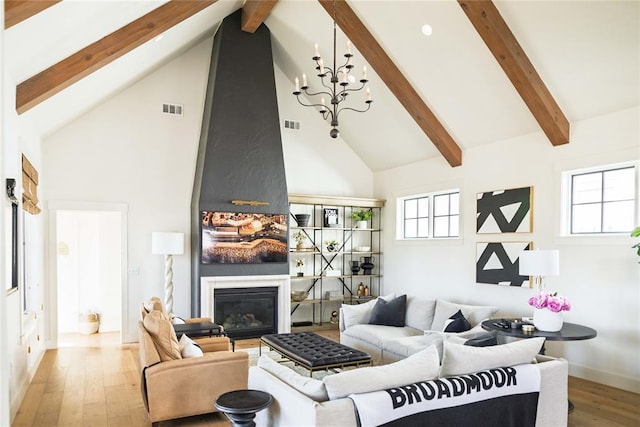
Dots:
(538, 264)
(167, 244)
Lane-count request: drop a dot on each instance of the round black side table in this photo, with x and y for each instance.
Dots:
(240, 406)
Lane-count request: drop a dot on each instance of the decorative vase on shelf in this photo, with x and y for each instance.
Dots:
(355, 267)
(546, 320)
(361, 224)
(302, 219)
(367, 264)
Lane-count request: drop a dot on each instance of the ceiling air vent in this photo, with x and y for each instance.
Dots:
(173, 109)
(290, 124)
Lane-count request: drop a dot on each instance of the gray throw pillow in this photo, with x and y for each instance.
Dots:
(390, 313)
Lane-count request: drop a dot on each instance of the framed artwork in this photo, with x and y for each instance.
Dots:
(243, 238)
(497, 263)
(505, 211)
(330, 217)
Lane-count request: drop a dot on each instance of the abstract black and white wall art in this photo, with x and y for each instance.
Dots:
(497, 263)
(505, 211)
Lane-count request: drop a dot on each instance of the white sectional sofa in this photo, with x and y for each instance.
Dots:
(419, 359)
(424, 324)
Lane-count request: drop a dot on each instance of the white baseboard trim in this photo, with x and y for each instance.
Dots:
(603, 377)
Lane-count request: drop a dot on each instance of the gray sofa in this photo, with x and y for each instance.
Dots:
(420, 351)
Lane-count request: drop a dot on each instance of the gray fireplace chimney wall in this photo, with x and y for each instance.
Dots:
(240, 152)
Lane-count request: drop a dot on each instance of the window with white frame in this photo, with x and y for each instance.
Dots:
(601, 200)
(429, 216)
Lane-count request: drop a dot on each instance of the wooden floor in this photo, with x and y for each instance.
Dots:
(91, 380)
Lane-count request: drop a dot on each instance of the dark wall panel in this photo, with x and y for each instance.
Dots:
(240, 153)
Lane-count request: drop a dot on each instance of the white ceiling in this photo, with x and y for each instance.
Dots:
(587, 53)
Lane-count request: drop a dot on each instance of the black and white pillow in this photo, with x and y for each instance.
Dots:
(456, 323)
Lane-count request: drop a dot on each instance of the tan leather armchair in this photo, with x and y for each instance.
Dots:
(185, 387)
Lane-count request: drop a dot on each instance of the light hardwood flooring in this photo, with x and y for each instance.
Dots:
(91, 380)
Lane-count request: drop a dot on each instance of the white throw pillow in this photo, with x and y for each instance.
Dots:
(421, 366)
(358, 314)
(460, 359)
(188, 348)
(420, 312)
(308, 386)
(177, 320)
(473, 313)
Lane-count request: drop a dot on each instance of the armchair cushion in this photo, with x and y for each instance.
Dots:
(163, 336)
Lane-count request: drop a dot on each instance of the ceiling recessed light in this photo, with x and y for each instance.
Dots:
(427, 30)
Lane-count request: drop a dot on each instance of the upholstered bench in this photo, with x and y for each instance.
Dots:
(314, 352)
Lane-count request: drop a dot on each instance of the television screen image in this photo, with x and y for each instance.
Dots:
(244, 238)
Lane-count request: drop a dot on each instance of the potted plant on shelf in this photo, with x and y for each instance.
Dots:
(361, 216)
(300, 238)
(332, 245)
(299, 265)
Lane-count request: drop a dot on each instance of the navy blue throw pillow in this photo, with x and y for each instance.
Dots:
(484, 340)
(390, 313)
(457, 323)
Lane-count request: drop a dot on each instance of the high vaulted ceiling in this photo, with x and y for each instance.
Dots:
(489, 71)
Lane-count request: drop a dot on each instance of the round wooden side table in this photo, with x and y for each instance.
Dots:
(240, 406)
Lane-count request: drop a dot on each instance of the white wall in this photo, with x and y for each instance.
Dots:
(599, 275)
(21, 334)
(4, 344)
(126, 151)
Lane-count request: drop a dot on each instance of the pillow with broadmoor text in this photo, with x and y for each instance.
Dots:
(460, 359)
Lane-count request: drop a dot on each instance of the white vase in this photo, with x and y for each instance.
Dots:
(547, 320)
(361, 224)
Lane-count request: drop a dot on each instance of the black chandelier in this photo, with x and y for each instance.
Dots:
(337, 87)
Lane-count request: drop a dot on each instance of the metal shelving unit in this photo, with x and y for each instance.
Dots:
(320, 265)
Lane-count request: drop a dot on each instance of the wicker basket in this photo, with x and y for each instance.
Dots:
(88, 323)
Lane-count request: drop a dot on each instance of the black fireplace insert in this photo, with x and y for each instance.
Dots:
(247, 312)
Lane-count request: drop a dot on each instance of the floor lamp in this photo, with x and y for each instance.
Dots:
(538, 264)
(167, 244)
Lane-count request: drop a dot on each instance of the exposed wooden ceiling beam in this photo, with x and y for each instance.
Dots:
(254, 12)
(59, 76)
(16, 11)
(355, 30)
(495, 32)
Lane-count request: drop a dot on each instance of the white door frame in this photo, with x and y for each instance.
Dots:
(51, 249)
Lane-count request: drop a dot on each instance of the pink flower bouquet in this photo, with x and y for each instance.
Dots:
(553, 302)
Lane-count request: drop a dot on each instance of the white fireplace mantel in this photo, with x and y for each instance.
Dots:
(282, 282)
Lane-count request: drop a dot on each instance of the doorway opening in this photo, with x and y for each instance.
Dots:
(89, 277)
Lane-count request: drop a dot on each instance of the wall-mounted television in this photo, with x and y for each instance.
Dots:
(243, 238)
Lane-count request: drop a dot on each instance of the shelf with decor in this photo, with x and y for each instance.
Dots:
(328, 251)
